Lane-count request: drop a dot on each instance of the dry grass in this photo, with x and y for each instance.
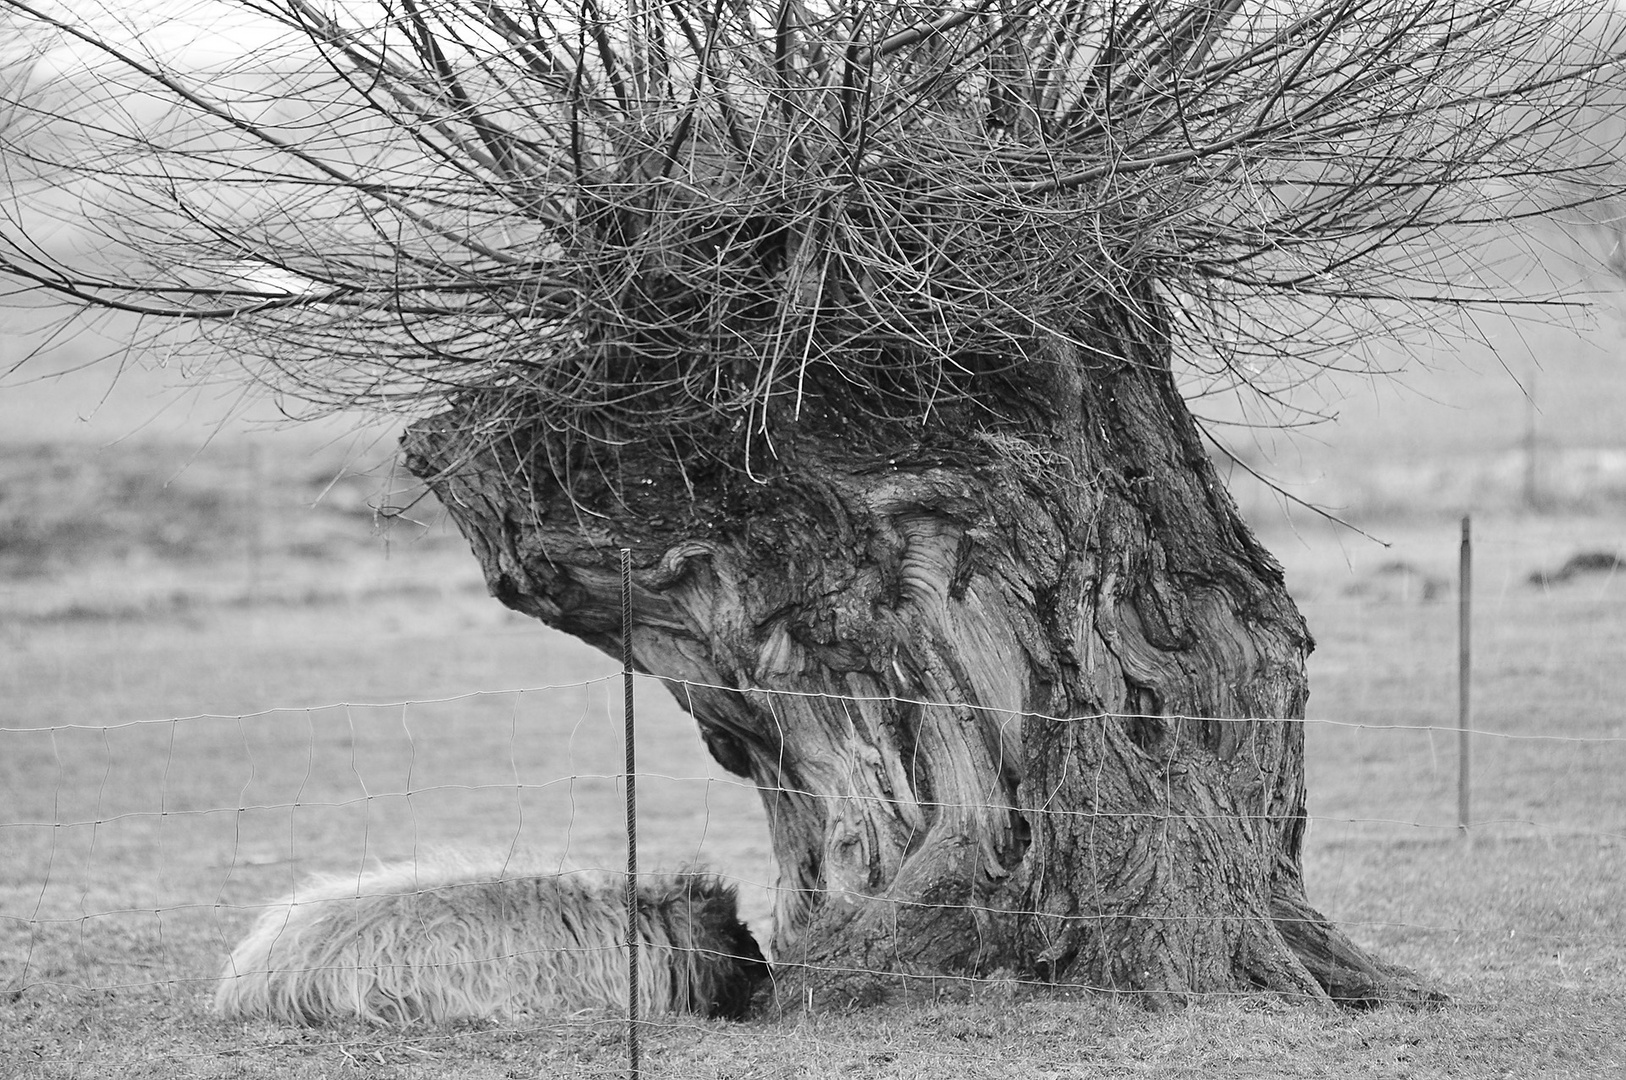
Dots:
(137, 833)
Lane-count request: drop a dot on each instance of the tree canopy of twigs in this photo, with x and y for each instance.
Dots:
(685, 222)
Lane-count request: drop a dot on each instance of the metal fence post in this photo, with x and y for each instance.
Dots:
(1464, 673)
(633, 1064)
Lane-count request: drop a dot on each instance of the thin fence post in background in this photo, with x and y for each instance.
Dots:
(258, 510)
(632, 815)
(1465, 580)
(1532, 446)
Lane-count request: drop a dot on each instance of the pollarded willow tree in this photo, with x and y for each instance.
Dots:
(864, 325)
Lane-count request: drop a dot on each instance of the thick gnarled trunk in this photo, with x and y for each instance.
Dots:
(1022, 701)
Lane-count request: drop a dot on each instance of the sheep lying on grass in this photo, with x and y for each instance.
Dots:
(445, 941)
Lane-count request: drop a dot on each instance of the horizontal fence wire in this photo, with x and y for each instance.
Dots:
(676, 685)
(56, 882)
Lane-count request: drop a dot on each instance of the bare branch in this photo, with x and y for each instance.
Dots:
(681, 222)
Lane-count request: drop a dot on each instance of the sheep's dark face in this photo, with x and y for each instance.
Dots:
(730, 965)
(750, 970)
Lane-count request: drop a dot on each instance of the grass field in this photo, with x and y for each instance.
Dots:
(224, 689)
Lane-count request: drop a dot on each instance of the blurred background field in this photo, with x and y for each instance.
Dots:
(234, 651)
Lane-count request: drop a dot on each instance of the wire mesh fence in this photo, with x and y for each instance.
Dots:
(138, 852)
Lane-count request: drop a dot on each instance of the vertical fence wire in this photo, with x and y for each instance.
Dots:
(1465, 591)
(633, 1064)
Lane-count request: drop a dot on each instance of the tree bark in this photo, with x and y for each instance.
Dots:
(1022, 694)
